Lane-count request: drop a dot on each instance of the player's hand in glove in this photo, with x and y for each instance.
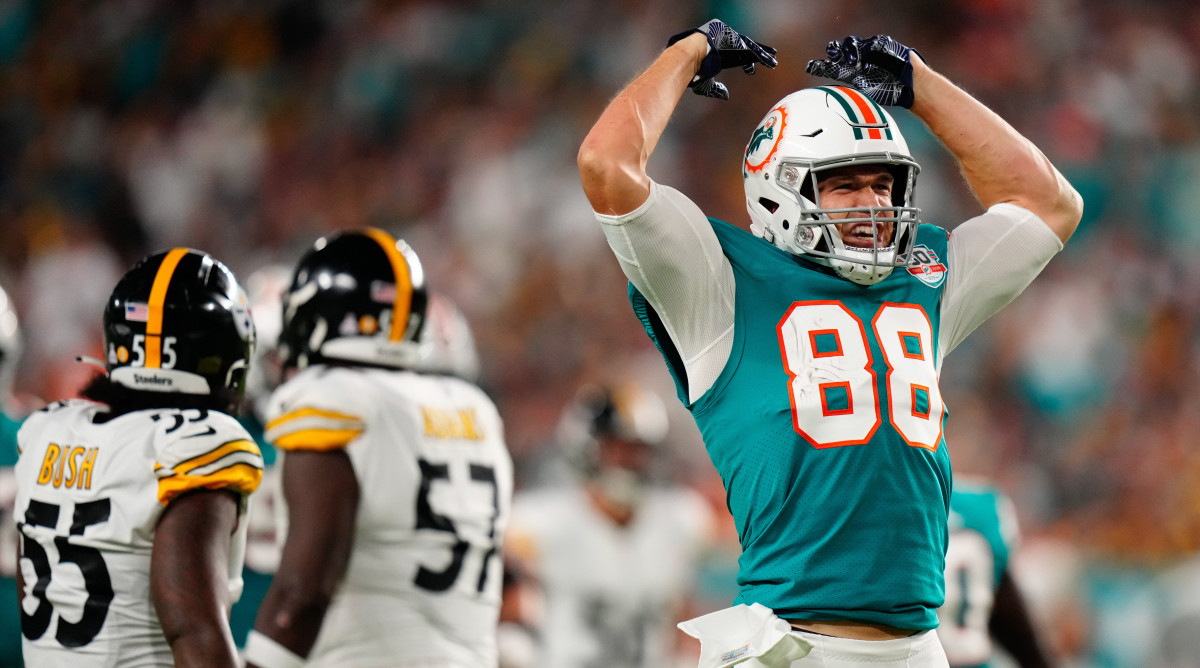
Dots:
(879, 67)
(726, 49)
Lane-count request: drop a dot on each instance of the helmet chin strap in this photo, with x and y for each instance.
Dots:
(862, 274)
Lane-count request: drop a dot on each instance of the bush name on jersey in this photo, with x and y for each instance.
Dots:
(927, 266)
(66, 458)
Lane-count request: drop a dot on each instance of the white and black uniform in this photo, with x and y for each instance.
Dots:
(435, 478)
(90, 493)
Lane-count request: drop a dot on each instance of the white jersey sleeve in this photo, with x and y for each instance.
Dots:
(670, 253)
(318, 415)
(90, 493)
(198, 449)
(993, 257)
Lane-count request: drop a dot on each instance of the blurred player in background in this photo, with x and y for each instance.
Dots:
(264, 289)
(396, 484)
(614, 556)
(983, 604)
(10, 355)
(141, 488)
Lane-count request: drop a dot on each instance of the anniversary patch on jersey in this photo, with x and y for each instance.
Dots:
(927, 266)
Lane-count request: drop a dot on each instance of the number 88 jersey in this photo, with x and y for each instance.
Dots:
(90, 492)
(435, 488)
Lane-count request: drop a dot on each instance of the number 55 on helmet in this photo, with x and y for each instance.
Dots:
(178, 322)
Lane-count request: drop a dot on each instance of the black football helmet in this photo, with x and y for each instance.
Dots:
(613, 436)
(179, 322)
(624, 411)
(356, 297)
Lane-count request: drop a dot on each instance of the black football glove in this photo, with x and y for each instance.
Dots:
(726, 49)
(879, 67)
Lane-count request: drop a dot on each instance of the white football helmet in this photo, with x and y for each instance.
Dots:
(819, 129)
(447, 345)
(10, 346)
(264, 290)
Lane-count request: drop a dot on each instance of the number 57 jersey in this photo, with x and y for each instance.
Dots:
(90, 493)
(435, 487)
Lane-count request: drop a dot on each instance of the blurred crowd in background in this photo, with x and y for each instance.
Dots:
(249, 129)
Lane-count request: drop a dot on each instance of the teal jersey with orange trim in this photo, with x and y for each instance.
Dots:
(10, 617)
(826, 427)
(983, 533)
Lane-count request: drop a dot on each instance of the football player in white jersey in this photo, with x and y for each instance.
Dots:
(397, 484)
(130, 502)
(614, 556)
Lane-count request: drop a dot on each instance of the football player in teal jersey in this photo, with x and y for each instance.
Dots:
(808, 349)
(983, 605)
(10, 352)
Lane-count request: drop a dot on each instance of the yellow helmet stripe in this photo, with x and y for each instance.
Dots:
(402, 304)
(158, 296)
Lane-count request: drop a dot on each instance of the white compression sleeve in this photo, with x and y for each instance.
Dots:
(668, 250)
(993, 258)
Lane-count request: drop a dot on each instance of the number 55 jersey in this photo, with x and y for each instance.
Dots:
(90, 492)
(435, 487)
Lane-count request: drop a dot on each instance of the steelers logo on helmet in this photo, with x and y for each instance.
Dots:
(810, 132)
(356, 297)
(178, 322)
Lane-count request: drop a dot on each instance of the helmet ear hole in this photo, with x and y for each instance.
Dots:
(806, 190)
(787, 225)
(899, 184)
(769, 205)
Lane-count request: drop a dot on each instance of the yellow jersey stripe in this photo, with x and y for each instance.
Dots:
(402, 304)
(311, 412)
(213, 455)
(242, 478)
(158, 296)
(317, 439)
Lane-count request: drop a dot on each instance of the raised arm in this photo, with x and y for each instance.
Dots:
(613, 156)
(1000, 165)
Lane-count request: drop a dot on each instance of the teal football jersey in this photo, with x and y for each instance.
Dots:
(10, 617)
(982, 534)
(826, 428)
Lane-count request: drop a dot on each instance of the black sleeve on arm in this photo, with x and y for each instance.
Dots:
(189, 576)
(1012, 628)
(321, 492)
